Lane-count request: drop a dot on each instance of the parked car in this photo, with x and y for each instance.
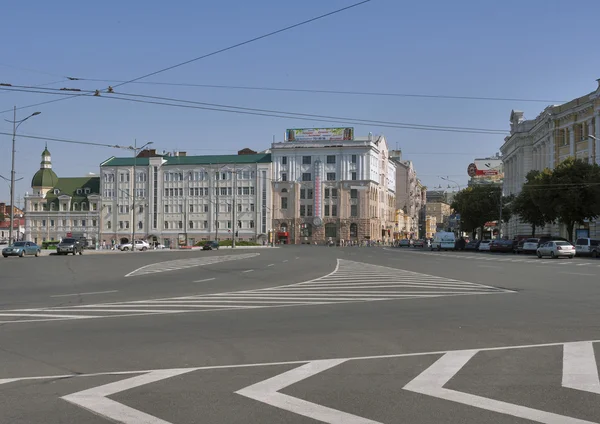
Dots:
(472, 245)
(502, 246)
(419, 243)
(545, 239)
(211, 245)
(585, 247)
(484, 245)
(518, 246)
(21, 248)
(139, 245)
(404, 243)
(530, 245)
(69, 245)
(555, 249)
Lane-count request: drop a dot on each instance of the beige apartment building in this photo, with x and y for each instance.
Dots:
(440, 211)
(330, 189)
(430, 226)
(558, 132)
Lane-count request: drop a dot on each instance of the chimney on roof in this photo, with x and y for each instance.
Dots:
(182, 153)
(246, 151)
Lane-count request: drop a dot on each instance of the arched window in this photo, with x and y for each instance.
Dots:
(191, 224)
(75, 206)
(284, 190)
(353, 230)
(331, 230)
(51, 206)
(140, 225)
(166, 225)
(83, 206)
(108, 224)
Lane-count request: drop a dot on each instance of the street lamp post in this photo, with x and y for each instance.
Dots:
(135, 153)
(457, 186)
(16, 125)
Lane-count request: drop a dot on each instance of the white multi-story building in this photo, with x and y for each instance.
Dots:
(175, 199)
(568, 130)
(328, 188)
(61, 207)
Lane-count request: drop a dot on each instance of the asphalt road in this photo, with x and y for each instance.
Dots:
(299, 334)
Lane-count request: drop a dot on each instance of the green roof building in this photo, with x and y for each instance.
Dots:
(61, 207)
(182, 200)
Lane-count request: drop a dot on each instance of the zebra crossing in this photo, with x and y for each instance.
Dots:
(187, 263)
(350, 282)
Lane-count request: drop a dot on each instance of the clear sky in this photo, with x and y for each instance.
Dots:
(530, 49)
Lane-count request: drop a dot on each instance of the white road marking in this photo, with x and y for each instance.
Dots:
(85, 294)
(578, 273)
(285, 260)
(349, 282)
(187, 263)
(580, 371)
(96, 401)
(267, 391)
(431, 381)
(206, 279)
(270, 265)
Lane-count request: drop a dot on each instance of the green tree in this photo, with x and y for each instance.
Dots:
(2, 217)
(574, 193)
(479, 204)
(527, 204)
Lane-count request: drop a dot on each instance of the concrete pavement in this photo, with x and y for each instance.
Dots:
(326, 360)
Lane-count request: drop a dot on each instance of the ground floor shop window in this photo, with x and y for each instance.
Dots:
(330, 230)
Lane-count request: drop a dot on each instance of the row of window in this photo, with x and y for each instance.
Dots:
(307, 176)
(64, 207)
(203, 191)
(307, 160)
(63, 222)
(329, 210)
(204, 224)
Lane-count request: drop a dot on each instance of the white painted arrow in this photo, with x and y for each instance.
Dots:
(96, 401)
(580, 371)
(431, 381)
(267, 391)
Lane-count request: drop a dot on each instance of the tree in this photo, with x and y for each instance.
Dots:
(2, 216)
(526, 204)
(573, 193)
(478, 205)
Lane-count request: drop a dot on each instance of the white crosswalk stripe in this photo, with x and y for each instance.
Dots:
(187, 263)
(349, 282)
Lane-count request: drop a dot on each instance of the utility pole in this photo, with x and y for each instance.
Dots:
(16, 125)
(217, 207)
(133, 224)
(234, 206)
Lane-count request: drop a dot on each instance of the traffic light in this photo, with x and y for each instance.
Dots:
(236, 233)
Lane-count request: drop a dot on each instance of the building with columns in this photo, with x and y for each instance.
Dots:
(557, 133)
(61, 207)
(174, 199)
(410, 197)
(328, 188)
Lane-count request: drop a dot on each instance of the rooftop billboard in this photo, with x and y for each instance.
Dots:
(320, 134)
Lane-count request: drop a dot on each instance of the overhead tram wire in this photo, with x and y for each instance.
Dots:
(321, 91)
(276, 114)
(216, 52)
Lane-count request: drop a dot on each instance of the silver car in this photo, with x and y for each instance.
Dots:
(556, 249)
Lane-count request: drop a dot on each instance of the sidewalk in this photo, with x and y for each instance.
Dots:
(115, 252)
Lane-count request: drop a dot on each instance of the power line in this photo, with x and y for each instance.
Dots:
(271, 113)
(252, 40)
(62, 140)
(243, 43)
(320, 91)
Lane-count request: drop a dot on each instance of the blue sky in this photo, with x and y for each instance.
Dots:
(517, 49)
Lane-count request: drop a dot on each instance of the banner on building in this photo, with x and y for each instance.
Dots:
(487, 167)
(320, 134)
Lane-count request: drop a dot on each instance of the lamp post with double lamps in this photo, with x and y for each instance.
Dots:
(16, 125)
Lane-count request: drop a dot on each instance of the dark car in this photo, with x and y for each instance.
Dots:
(518, 247)
(502, 246)
(211, 245)
(70, 245)
(472, 245)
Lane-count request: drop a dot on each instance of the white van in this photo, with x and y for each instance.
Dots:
(443, 240)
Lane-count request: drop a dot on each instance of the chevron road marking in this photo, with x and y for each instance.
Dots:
(578, 373)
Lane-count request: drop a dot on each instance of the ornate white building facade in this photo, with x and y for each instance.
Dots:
(555, 134)
(180, 200)
(333, 190)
